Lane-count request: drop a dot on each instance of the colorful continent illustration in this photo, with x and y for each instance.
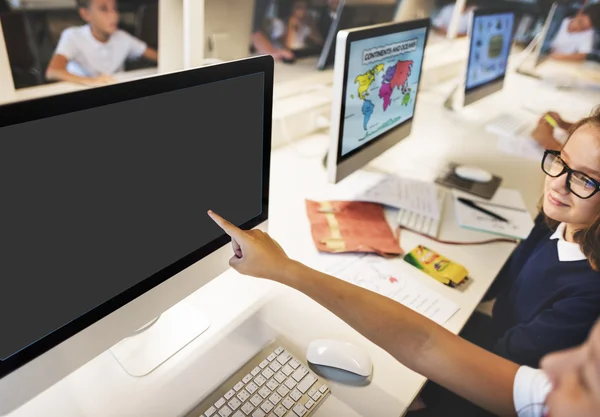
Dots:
(365, 80)
(395, 77)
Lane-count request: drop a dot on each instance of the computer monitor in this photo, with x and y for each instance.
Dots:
(227, 29)
(352, 14)
(105, 195)
(491, 33)
(376, 82)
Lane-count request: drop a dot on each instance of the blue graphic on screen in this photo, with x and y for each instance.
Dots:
(383, 76)
(490, 46)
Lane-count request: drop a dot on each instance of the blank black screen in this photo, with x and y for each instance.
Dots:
(96, 201)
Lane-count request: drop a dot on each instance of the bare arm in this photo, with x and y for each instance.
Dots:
(569, 57)
(151, 54)
(57, 71)
(264, 46)
(415, 341)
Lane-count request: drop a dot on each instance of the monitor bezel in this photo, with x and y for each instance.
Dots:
(480, 91)
(31, 110)
(366, 33)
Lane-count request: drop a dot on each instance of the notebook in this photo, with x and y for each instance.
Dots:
(507, 202)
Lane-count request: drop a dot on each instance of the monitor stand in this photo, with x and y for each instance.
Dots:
(157, 341)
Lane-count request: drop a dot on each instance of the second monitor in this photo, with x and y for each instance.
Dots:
(376, 81)
(491, 33)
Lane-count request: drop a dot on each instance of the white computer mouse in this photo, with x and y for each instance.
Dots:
(340, 355)
(472, 173)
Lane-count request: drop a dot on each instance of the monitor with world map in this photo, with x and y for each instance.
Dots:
(377, 74)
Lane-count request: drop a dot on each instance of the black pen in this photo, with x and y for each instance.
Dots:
(472, 204)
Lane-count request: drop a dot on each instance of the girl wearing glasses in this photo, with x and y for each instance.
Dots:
(548, 293)
(567, 386)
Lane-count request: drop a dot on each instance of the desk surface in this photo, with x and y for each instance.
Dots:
(246, 313)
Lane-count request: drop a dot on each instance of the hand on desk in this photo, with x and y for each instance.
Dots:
(98, 81)
(544, 131)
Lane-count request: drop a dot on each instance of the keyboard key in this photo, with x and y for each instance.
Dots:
(300, 373)
(287, 370)
(306, 383)
(252, 388)
(247, 379)
(323, 389)
(263, 364)
(295, 395)
(238, 386)
(309, 404)
(255, 371)
(290, 383)
(220, 403)
(258, 413)
(280, 411)
(311, 392)
(225, 411)
(283, 358)
(272, 357)
(234, 404)
(243, 395)
(256, 400)
(229, 394)
(280, 377)
(294, 364)
(300, 410)
(275, 366)
(210, 411)
(283, 391)
(264, 392)
(247, 408)
(275, 398)
(288, 403)
(267, 406)
(272, 385)
(260, 380)
(238, 414)
(278, 350)
(317, 396)
(267, 373)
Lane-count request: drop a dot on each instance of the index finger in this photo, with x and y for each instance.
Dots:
(227, 227)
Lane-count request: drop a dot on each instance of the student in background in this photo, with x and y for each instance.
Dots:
(268, 26)
(92, 53)
(302, 30)
(567, 386)
(575, 38)
(442, 21)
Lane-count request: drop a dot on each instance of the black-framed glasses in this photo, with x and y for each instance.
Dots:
(580, 184)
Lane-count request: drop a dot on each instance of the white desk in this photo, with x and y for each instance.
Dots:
(246, 312)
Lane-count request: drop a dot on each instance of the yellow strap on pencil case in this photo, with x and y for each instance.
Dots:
(334, 241)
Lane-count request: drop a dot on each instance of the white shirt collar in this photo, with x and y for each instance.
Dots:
(567, 251)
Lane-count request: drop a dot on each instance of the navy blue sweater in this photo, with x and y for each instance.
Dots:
(542, 305)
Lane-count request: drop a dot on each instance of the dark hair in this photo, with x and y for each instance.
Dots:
(83, 4)
(593, 12)
(589, 237)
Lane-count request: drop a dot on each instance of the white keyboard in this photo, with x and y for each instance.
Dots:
(421, 223)
(509, 125)
(272, 384)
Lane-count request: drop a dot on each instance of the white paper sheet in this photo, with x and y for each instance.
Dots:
(521, 146)
(393, 191)
(519, 223)
(383, 277)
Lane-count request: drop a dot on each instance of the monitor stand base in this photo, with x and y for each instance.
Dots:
(156, 342)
